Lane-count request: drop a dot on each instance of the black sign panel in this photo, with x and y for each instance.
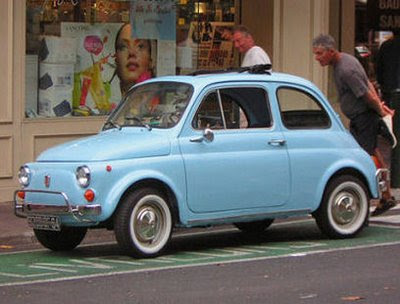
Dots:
(383, 14)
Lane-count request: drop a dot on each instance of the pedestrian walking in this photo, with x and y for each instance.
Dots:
(359, 102)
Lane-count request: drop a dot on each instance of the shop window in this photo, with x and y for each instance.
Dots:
(204, 34)
(374, 24)
(78, 52)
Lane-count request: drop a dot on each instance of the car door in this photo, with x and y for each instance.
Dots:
(311, 141)
(244, 165)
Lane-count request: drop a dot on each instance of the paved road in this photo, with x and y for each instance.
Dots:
(290, 263)
(368, 275)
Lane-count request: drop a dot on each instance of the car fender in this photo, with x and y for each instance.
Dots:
(367, 172)
(119, 188)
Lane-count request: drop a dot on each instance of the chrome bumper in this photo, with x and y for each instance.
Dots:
(382, 180)
(24, 208)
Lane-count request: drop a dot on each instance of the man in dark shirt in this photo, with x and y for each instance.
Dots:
(388, 77)
(358, 101)
(388, 66)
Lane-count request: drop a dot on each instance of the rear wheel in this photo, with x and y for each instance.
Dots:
(143, 223)
(254, 227)
(65, 239)
(344, 208)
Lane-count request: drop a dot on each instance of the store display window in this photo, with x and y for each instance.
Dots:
(375, 22)
(83, 55)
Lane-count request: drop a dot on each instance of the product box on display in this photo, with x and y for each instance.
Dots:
(55, 49)
(55, 89)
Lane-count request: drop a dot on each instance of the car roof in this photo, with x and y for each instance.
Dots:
(205, 79)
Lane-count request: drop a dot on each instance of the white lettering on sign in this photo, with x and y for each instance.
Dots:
(389, 21)
(389, 4)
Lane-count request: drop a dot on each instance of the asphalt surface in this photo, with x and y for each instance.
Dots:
(359, 274)
(364, 275)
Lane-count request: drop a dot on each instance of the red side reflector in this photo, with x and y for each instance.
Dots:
(89, 195)
(21, 194)
(108, 168)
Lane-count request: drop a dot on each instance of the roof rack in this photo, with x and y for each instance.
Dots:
(255, 69)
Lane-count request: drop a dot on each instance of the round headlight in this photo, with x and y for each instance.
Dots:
(83, 176)
(24, 176)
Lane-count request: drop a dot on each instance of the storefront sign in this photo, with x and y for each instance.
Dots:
(384, 14)
(153, 19)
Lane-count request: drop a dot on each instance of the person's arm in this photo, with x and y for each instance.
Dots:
(373, 100)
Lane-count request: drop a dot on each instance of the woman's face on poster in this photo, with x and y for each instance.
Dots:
(132, 56)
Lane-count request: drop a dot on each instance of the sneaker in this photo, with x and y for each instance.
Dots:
(383, 206)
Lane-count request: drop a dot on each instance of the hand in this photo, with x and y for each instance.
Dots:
(386, 110)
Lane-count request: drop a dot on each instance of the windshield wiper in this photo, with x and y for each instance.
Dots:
(141, 123)
(112, 125)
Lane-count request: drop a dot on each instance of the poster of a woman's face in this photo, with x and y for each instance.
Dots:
(133, 58)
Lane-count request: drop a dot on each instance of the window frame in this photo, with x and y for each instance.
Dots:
(217, 90)
(312, 97)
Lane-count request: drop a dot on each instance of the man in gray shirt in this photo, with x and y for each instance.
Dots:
(358, 101)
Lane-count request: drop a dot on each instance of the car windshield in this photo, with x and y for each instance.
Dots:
(152, 105)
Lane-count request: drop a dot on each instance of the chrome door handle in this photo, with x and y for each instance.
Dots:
(208, 136)
(277, 142)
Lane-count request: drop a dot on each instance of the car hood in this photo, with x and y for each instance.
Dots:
(110, 145)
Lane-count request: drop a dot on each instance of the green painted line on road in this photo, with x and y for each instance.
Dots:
(40, 266)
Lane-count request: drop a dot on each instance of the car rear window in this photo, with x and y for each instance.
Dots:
(300, 110)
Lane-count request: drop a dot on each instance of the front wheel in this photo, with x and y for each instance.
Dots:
(65, 239)
(344, 208)
(143, 223)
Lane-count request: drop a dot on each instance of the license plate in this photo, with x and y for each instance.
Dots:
(44, 222)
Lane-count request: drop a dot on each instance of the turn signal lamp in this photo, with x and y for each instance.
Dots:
(21, 194)
(89, 195)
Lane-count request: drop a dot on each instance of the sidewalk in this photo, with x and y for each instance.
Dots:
(12, 228)
(15, 230)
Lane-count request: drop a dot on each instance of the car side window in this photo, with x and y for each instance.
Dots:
(234, 108)
(300, 110)
(209, 114)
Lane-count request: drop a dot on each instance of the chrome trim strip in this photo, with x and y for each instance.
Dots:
(256, 216)
(380, 181)
(77, 211)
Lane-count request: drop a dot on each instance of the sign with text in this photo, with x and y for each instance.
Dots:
(384, 14)
(153, 19)
(215, 47)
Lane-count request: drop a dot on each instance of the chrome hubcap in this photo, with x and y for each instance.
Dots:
(147, 224)
(345, 208)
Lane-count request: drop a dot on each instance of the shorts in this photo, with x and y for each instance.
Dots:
(365, 129)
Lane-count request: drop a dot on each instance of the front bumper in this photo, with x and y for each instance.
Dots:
(23, 208)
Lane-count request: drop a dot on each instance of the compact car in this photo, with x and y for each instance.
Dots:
(241, 147)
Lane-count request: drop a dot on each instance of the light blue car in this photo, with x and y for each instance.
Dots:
(241, 147)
